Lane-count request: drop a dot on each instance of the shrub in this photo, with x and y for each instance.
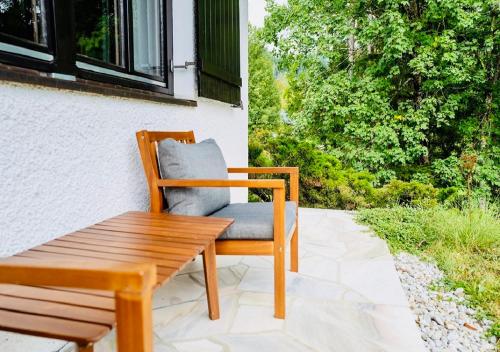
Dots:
(446, 172)
(487, 175)
(452, 197)
(326, 183)
(323, 180)
(421, 177)
(411, 193)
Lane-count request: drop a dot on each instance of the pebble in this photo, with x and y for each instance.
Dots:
(438, 319)
(442, 316)
(449, 325)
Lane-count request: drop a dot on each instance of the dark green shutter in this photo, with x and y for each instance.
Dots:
(219, 50)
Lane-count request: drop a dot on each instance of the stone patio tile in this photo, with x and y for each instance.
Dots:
(320, 267)
(198, 346)
(165, 315)
(332, 252)
(350, 327)
(396, 328)
(257, 299)
(228, 277)
(270, 342)
(108, 344)
(193, 322)
(180, 289)
(222, 261)
(228, 260)
(254, 261)
(367, 248)
(371, 278)
(329, 325)
(311, 216)
(320, 233)
(10, 342)
(194, 266)
(253, 319)
(162, 347)
(259, 280)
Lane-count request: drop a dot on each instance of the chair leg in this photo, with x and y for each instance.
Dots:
(87, 348)
(210, 270)
(294, 251)
(279, 252)
(279, 284)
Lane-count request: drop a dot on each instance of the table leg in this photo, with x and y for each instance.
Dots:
(210, 269)
(86, 348)
(134, 317)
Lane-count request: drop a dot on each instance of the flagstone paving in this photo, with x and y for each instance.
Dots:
(346, 297)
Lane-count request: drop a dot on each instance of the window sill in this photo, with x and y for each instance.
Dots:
(29, 76)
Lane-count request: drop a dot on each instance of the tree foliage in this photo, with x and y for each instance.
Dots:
(264, 97)
(394, 85)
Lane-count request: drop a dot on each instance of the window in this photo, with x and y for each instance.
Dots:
(24, 28)
(100, 31)
(125, 42)
(147, 26)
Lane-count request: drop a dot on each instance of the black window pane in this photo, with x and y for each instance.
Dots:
(148, 36)
(99, 30)
(25, 19)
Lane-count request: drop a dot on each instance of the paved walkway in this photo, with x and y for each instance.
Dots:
(346, 298)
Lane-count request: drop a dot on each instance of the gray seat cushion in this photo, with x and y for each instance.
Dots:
(254, 221)
(193, 161)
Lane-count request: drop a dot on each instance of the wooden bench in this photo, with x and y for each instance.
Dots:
(84, 310)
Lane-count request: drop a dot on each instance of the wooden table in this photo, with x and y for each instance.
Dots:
(85, 316)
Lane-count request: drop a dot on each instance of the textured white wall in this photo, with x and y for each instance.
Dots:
(70, 159)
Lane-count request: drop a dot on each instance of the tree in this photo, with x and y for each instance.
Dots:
(390, 83)
(264, 97)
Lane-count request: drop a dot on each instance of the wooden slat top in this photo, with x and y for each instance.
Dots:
(85, 316)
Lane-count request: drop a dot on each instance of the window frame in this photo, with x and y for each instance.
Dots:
(16, 59)
(61, 44)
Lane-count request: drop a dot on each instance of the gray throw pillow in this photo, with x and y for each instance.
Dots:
(193, 161)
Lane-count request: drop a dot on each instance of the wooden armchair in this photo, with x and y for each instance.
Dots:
(274, 246)
(132, 284)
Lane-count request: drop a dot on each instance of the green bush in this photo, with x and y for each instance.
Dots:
(446, 172)
(410, 193)
(324, 182)
(487, 174)
(452, 197)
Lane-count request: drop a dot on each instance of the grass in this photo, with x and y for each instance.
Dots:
(464, 243)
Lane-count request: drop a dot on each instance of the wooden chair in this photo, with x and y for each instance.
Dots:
(132, 284)
(148, 140)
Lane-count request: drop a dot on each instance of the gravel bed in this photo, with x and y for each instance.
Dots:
(445, 322)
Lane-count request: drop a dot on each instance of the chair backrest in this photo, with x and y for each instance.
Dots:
(148, 147)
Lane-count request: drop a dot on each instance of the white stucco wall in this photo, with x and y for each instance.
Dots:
(70, 159)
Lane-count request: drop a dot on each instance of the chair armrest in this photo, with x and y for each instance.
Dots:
(278, 187)
(263, 170)
(292, 171)
(274, 184)
(119, 277)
